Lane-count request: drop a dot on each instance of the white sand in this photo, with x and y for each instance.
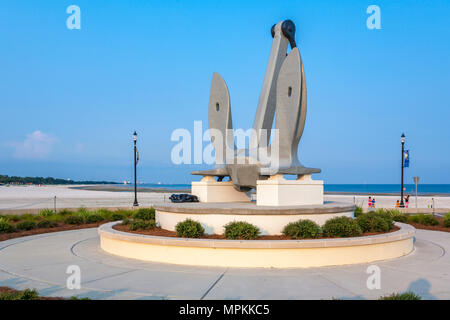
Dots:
(32, 197)
(390, 201)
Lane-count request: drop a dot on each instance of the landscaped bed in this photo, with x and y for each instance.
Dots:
(141, 221)
(14, 226)
(439, 226)
(166, 233)
(368, 224)
(7, 293)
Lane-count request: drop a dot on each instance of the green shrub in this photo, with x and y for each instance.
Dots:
(447, 220)
(117, 216)
(341, 227)
(65, 212)
(74, 220)
(5, 226)
(29, 217)
(47, 224)
(27, 294)
(46, 213)
(77, 298)
(241, 230)
(425, 219)
(126, 221)
(429, 220)
(26, 225)
(302, 229)
(387, 216)
(373, 222)
(13, 217)
(55, 218)
(399, 217)
(358, 211)
(126, 213)
(105, 213)
(139, 224)
(415, 218)
(83, 213)
(145, 214)
(189, 229)
(93, 218)
(402, 296)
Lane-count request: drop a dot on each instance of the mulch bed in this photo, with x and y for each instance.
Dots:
(439, 227)
(65, 227)
(9, 290)
(166, 233)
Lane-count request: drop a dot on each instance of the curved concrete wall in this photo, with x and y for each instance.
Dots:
(258, 253)
(267, 224)
(270, 220)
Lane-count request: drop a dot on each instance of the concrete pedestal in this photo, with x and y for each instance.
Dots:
(210, 190)
(277, 191)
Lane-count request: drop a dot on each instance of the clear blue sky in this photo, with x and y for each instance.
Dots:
(71, 99)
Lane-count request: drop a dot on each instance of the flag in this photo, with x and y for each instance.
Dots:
(406, 156)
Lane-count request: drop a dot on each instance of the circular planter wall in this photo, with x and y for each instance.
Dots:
(258, 253)
(270, 220)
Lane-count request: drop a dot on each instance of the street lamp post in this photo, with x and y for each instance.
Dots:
(135, 175)
(402, 139)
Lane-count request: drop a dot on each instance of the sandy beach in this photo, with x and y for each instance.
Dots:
(38, 197)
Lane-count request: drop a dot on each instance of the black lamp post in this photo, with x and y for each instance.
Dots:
(402, 139)
(135, 176)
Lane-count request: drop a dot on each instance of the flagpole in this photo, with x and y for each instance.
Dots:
(135, 204)
(402, 205)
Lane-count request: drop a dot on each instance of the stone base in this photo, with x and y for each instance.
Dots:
(210, 190)
(277, 191)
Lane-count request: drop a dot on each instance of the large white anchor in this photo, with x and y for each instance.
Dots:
(284, 94)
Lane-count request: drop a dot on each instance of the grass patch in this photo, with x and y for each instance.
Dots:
(402, 296)
(425, 219)
(27, 294)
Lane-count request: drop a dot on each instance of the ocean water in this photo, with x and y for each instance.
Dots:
(424, 189)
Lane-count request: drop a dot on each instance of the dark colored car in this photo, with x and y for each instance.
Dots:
(183, 197)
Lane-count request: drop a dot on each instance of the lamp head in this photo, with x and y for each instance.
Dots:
(135, 136)
(402, 139)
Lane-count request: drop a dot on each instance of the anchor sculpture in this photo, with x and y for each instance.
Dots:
(283, 94)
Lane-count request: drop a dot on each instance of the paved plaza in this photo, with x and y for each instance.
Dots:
(41, 262)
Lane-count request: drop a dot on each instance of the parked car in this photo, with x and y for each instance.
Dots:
(183, 197)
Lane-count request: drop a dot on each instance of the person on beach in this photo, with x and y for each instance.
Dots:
(370, 202)
(397, 205)
(407, 201)
(373, 202)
